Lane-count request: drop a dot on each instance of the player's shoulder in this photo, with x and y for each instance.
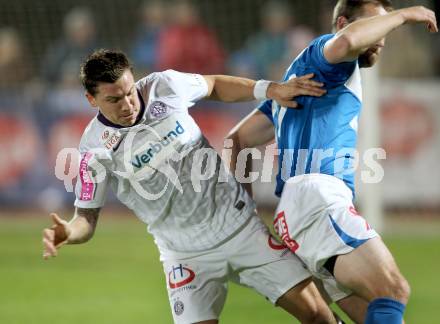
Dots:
(316, 45)
(98, 136)
(162, 83)
(167, 76)
(322, 39)
(309, 54)
(171, 85)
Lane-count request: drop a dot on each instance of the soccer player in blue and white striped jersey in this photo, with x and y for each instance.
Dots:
(315, 216)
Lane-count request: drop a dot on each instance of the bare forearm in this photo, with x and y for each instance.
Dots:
(83, 225)
(364, 33)
(234, 89)
(361, 35)
(231, 89)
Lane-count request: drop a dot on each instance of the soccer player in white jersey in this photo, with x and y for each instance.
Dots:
(145, 146)
(315, 216)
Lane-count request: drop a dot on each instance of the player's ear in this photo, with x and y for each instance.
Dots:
(341, 22)
(91, 99)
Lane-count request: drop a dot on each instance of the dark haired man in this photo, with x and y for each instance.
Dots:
(315, 216)
(145, 145)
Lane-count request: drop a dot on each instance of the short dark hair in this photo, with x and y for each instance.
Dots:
(103, 66)
(352, 9)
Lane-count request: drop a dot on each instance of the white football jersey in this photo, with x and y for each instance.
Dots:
(164, 169)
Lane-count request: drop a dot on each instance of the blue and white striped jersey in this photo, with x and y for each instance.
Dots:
(320, 136)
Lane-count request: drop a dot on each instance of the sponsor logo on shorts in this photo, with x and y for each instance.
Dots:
(180, 276)
(273, 243)
(277, 246)
(178, 307)
(282, 230)
(158, 109)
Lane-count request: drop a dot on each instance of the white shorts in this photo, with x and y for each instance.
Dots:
(316, 219)
(197, 284)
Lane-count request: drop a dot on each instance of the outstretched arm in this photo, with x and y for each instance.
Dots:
(234, 89)
(80, 229)
(362, 34)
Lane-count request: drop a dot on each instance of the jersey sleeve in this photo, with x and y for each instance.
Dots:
(92, 182)
(190, 86)
(266, 108)
(333, 73)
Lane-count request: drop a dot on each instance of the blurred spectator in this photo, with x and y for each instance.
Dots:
(144, 49)
(243, 64)
(297, 40)
(63, 107)
(325, 14)
(414, 61)
(275, 46)
(14, 67)
(188, 45)
(436, 54)
(62, 60)
(269, 45)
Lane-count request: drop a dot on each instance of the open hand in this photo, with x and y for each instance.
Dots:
(55, 236)
(284, 93)
(420, 14)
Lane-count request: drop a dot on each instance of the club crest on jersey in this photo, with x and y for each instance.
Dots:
(158, 109)
(180, 276)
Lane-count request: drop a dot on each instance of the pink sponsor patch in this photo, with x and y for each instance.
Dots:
(87, 185)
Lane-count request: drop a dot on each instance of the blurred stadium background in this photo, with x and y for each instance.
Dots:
(117, 277)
